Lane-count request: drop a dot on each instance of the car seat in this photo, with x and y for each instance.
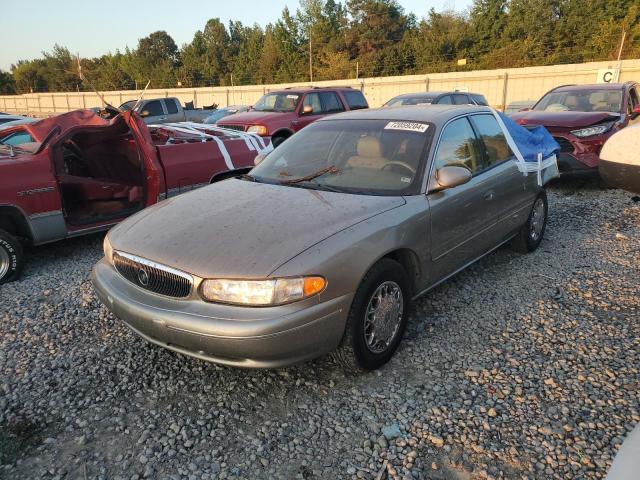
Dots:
(369, 154)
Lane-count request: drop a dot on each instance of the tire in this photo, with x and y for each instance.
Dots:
(11, 257)
(530, 235)
(278, 139)
(355, 353)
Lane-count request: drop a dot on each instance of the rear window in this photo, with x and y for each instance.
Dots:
(355, 99)
(479, 99)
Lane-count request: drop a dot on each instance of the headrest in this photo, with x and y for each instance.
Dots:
(369, 147)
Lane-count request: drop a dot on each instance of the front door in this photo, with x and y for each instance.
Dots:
(460, 217)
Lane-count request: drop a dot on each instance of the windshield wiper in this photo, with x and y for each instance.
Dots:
(331, 169)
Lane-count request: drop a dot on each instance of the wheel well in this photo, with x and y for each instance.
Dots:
(282, 133)
(409, 261)
(13, 221)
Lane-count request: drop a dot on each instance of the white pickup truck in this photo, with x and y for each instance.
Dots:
(166, 110)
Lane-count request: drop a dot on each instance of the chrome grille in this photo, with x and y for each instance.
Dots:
(565, 145)
(240, 128)
(152, 276)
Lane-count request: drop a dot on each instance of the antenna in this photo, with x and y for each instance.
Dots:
(140, 97)
(82, 77)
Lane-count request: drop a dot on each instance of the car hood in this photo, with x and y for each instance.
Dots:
(253, 117)
(563, 119)
(241, 229)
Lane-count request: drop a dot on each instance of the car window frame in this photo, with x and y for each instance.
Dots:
(345, 96)
(437, 146)
(175, 104)
(322, 102)
(488, 166)
(161, 102)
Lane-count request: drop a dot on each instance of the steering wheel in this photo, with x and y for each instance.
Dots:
(404, 165)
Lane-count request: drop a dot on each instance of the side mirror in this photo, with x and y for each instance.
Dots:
(449, 177)
(259, 159)
(307, 109)
(635, 112)
(144, 113)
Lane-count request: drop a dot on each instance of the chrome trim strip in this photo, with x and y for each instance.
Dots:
(159, 266)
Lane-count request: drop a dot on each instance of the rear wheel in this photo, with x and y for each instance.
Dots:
(531, 233)
(11, 257)
(377, 318)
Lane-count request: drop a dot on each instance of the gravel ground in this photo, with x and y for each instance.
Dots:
(520, 367)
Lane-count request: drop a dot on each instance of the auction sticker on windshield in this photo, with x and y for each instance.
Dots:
(407, 126)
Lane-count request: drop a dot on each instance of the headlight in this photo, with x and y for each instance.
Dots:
(591, 131)
(108, 250)
(261, 293)
(259, 129)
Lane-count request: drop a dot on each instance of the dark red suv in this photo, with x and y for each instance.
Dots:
(581, 118)
(279, 114)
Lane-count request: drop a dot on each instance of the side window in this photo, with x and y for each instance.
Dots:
(17, 138)
(633, 100)
(458, 147)
(446, 100)
(154, 108)
(492, 137)
(479, 99)
(171, 106)
(355, 99)
(461, 99)
(313, 99)
(331, 103)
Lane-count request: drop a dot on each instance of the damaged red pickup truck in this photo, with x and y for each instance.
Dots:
(77, 173)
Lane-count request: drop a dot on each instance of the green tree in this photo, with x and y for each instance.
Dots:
(7, 84)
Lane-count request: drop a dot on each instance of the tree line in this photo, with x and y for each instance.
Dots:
(354, 39)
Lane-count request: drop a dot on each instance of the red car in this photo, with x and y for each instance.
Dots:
(78, 173)
(581, 118)
(280, 114)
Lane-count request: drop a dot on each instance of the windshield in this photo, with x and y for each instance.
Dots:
(376, 157)
(418, 100)
(277, 102)
(592, 100)
(126, 106)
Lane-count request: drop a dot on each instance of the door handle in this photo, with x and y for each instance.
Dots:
(488, 196)
(295, 123)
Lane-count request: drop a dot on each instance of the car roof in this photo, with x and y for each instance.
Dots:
(591, 86)
(432, 94)
(413, 113)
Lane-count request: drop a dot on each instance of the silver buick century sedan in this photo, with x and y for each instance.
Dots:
(324, 244)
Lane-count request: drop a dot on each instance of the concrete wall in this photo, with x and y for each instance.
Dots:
(500, 87)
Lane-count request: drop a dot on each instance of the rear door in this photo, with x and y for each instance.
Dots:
(174, 111)
(511, 192)
(460, 217)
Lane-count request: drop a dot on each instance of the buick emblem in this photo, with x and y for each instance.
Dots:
(143, 277)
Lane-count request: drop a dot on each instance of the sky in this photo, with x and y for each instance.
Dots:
(92, 28)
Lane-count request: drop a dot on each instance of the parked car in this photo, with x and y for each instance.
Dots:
(166, 110)
(5, 118)
(521, 106)
(581, 118)
(437, 98)
(281, 113)
(225, 112)
(77, 173)
(325, 242)
(620, 159)
(20, 121)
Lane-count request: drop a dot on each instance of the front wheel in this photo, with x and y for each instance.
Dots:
(377, 318)
(11, 257)
(530, 235)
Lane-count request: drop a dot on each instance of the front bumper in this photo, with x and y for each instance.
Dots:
(249, 337)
